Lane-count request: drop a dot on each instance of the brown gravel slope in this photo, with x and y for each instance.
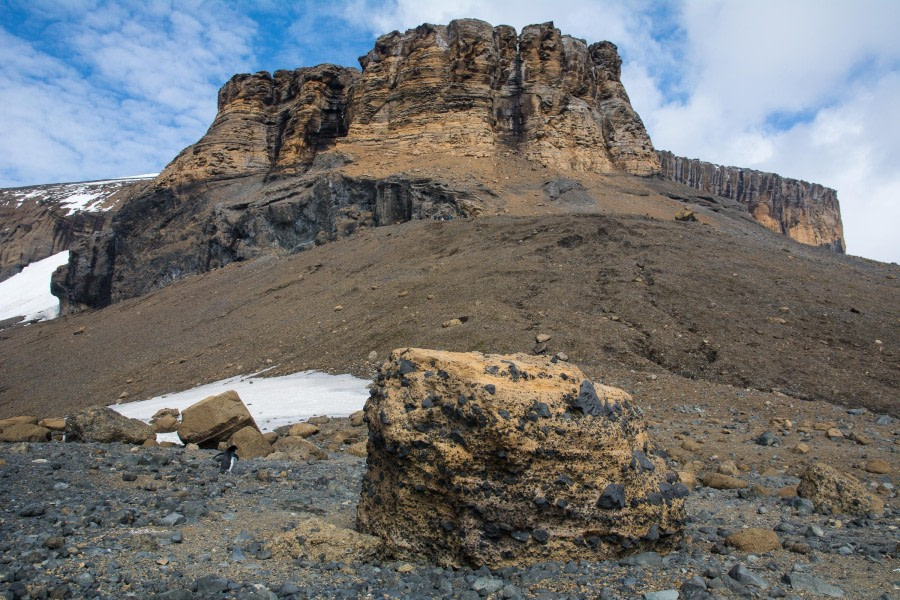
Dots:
(622, 295)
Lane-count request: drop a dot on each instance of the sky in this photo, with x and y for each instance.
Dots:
(808, 89)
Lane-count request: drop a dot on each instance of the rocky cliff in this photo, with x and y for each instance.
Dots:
(443, 121)
(39, 221)
(806, 212)
(463, 88)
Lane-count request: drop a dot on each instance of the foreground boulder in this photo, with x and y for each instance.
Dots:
(504, 460)
(102, 424)
(214, 419)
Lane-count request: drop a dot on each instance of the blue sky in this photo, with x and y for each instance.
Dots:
(92, 89)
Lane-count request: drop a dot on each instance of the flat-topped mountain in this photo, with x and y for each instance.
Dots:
(304, 157)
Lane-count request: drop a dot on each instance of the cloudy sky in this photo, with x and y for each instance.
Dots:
(808, 88)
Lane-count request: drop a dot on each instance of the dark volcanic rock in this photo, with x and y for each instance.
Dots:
(459, 483)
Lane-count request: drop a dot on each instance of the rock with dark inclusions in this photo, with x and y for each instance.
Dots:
(461, 483)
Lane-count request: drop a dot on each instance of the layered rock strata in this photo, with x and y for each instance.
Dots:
(807, 212)
(463, 88)
(472, 88)
(501, 460)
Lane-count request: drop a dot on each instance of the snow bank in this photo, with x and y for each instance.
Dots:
(273, 401)
(27, 294)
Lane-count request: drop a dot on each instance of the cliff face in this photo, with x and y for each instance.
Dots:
(39, 221)
(268, 123)
(466, 88)
(423, 131)
(476, 89)
(807, 212)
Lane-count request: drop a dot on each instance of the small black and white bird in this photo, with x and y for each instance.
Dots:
(227, 459)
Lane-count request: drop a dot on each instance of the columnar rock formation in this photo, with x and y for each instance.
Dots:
(499, 460)
(288, 161)
(806, 212)
(465, 88)
(469, 87)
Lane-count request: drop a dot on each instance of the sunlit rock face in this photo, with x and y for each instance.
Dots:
(500, 460)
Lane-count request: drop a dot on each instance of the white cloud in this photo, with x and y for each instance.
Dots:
(138, 85)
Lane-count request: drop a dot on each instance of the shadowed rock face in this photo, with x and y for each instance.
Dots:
(807, 212)
(500, 460)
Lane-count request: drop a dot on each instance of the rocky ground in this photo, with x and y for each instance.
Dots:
(116, 521)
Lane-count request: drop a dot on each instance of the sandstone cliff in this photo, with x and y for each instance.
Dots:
(443, 121)
(476, 89)
(463, 88)
(806, 212)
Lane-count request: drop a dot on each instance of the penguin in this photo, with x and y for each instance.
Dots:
(227, 459)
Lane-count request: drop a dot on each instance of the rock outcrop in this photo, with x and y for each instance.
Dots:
(472, 88)
(807, 212)
(833, 492)
(500, 460)
(462, 88)
(40, 221)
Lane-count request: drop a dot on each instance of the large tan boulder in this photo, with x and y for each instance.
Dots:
(250, 443)
(25, 432)
(103, 424)
(214, 419)
(834, 492)
(504, 460)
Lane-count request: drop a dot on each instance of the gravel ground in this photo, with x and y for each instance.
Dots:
(115, 521)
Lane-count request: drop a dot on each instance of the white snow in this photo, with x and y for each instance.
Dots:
(273, 401)
(27, 294)
(78, 197)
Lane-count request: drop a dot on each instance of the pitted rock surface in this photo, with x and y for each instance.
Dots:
(500, 460)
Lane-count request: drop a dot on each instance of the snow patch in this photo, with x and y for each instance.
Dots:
(87, 196)
(273, 401)
(27, 294)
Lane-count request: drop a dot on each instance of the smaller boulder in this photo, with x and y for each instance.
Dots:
(53, 424)
(165, 420)
(753, 540)
(357, 419)
(720, 481)
(250, 443)
(4, 423)
(299, 449)
(303, 430)
(25, 432)
(878, 466)
(104, 425)
(685, 215)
